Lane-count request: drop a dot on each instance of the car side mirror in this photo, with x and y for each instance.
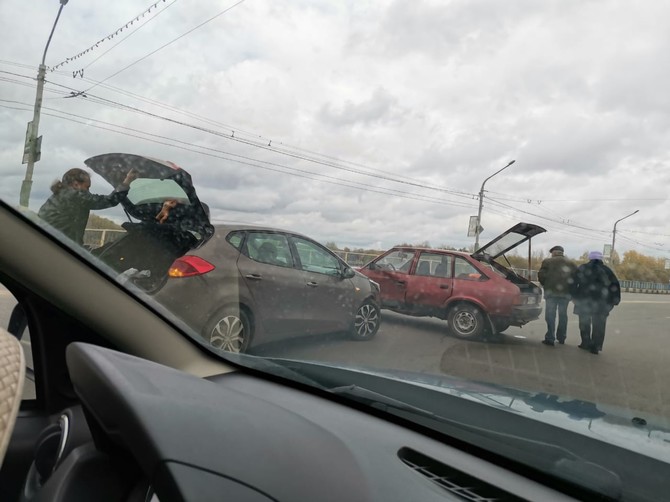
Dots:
(373, 266)
(348, 273)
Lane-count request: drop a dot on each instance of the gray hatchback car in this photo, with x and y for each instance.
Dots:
(238, 286)
(263, 284)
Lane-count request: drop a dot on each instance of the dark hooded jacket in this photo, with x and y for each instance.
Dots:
(68, 210)
(556, 275)
(595, 289)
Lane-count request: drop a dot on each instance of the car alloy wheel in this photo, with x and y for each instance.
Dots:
(366, 322)
(231, 332)
(466, 321)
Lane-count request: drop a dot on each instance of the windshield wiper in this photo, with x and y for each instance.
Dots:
(549, 457)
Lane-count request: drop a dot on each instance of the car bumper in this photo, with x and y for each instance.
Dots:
(524, 314)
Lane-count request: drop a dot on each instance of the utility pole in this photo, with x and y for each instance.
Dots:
(32, 148)
(481, 203)
(614, 235)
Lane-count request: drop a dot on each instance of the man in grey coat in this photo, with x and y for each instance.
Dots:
(555, 275)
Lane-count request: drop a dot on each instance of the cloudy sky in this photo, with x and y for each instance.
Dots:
(364, 122)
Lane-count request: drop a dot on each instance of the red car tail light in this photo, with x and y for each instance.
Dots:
(188, 266)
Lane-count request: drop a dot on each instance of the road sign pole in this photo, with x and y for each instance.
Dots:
(32, 148)
(33, 142)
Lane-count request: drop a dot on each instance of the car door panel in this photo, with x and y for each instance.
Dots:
(430, 284)
(329, 306)
(278, 290)
(391, 272)
(329, 298)
(278, 293)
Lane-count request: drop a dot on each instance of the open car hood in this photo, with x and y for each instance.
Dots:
(158, 181)
(508, 240)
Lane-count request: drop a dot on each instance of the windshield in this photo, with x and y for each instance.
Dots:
(312, 181)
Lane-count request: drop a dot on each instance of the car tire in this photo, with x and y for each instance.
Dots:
(366, 323)
(230, 329)
(466, 321)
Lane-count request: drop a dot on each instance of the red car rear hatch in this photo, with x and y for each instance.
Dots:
(508, 240)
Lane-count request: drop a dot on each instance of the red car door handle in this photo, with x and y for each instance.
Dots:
(255, 277)
(444, 286)
(400, 283)
(312, 284)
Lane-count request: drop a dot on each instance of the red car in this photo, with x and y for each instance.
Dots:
(473, 292)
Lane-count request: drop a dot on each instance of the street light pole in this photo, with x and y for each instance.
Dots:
(31, 152)
(614, 235)
(481, 202)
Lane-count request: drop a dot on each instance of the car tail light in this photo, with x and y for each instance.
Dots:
(188, 266)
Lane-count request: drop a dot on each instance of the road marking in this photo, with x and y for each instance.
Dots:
(645, 301)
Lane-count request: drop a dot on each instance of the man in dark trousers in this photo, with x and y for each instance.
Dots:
(595, 291)
(555, 275)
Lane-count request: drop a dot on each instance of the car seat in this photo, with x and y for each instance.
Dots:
(424, 268)
(267, 253)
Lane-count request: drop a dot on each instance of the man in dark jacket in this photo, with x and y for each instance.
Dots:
(71, 202)
(555, 275)
(595, 291)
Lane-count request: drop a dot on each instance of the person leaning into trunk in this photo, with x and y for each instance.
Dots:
(555, 275)
(595, 291)
(68, 207)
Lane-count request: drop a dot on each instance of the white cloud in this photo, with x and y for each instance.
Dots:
(428, 93)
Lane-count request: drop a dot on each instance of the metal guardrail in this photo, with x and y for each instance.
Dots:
(96, 237)
(353, 258)
(642, 285)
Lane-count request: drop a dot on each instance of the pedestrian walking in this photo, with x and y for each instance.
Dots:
(555, 275)
(68, 207)
(595, 291)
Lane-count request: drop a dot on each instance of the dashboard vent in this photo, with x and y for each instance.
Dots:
(454, 481)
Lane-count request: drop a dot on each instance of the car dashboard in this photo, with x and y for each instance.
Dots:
(146, 432)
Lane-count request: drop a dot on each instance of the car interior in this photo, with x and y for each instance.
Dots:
(311, 309)
(128, 408)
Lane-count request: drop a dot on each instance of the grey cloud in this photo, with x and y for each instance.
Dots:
(380, 106)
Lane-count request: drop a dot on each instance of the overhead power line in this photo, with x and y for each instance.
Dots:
(546, 218)
(271, 166)
(658, 247)
(167, 44)
(261, 145)
(376, 174)
(539, 201)
(81, 72)
(257, 139)
(301, 173)
(560, 221)
(111, 36)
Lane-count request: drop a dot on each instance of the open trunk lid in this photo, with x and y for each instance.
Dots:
(158, 181)
(148, 248)
(508, 240)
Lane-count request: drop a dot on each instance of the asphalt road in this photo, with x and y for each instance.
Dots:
(632, 372)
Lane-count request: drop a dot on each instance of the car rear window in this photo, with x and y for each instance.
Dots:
(151, 191)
